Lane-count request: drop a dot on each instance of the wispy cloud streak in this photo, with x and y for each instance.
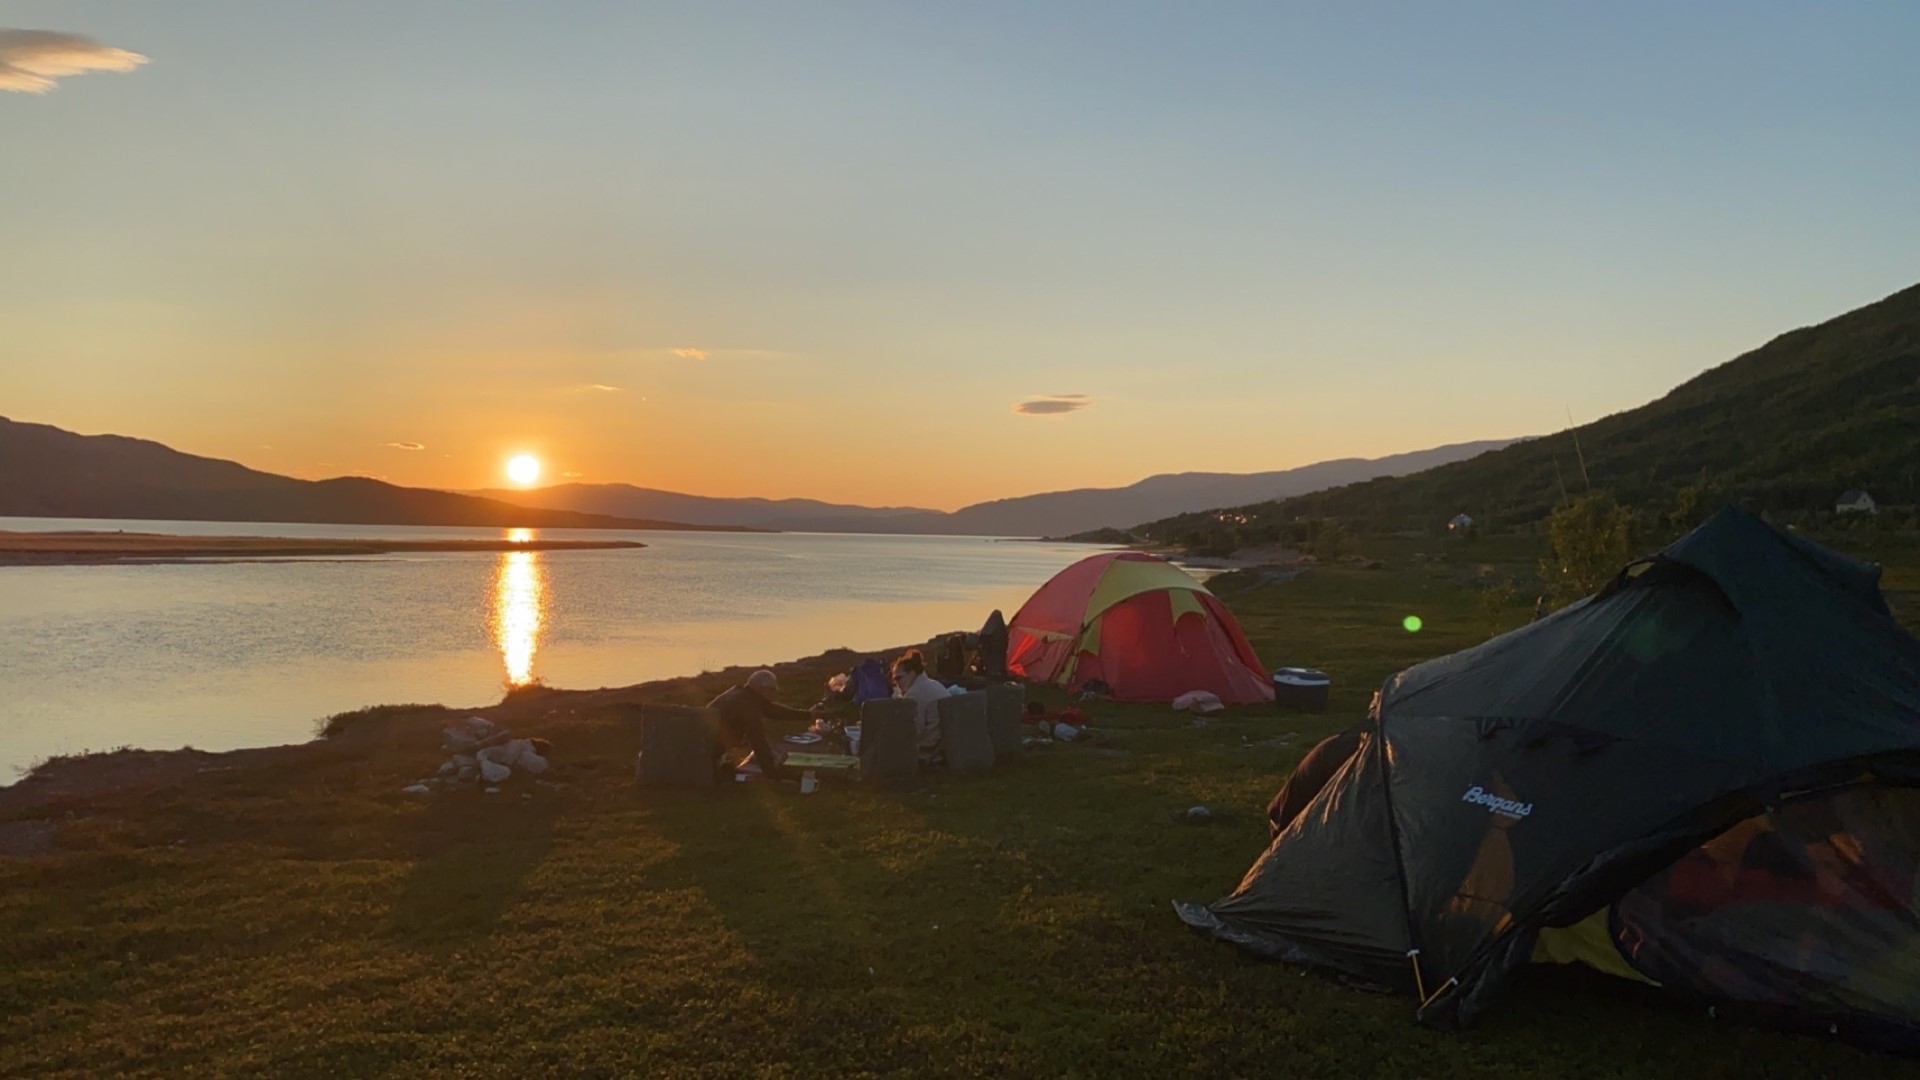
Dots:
(34, 61)
(1054, 405)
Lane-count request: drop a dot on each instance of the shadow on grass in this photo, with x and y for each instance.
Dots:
(473, 854)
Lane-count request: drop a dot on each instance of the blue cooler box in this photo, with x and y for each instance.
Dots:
(1301, 689)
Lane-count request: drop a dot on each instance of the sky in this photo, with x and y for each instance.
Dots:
(914, 253)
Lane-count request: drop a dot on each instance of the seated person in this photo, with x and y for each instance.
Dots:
(1311, 775)
(910, 680)
(742, 710)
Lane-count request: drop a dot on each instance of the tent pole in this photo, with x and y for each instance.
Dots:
(1377, 713)
(1444, 987)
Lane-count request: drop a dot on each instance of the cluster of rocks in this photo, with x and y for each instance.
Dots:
(482, 752)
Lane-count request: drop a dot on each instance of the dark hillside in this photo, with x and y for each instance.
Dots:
(48, 472)
(1786, 428)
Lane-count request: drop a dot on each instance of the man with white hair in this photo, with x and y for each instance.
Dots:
(742, 710)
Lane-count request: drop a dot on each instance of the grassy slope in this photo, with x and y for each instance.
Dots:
(306, 919)
(1786, 427)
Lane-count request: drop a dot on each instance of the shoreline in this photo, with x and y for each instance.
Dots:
(111, 548)
(69, 781)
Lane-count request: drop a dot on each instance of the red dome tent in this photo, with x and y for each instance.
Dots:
(1139, 624)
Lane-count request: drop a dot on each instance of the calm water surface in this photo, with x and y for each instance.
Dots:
(226, 654)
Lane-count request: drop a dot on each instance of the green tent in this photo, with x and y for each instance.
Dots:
(1701, 777)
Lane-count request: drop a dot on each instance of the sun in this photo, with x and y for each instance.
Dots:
(523, 468)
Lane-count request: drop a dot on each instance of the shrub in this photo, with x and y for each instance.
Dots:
(1589, 540)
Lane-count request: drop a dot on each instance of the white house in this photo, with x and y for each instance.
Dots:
(1855, 502)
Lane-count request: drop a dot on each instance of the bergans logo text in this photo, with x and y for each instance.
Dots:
(1507, 808)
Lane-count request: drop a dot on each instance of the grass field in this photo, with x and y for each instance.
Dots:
(296, 915)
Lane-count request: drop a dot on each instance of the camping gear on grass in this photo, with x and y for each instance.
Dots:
(1200, 701)
(1006, 704)
(481, 751)
(823, 763)
(991, 659)
(950, 658)
(965, 741)
(848, 690)
(1301, 689)
(677, 744)
(1717, 757)
(1139, 625)
(889, 739)
(870, 681)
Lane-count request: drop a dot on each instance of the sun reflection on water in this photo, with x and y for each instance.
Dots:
(519, 607)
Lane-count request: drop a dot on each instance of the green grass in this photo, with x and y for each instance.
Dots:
(299, 917)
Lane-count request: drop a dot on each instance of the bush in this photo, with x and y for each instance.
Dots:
(1327, 539)
(1589, 540)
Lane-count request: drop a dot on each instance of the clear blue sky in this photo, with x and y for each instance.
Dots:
(1254, 236)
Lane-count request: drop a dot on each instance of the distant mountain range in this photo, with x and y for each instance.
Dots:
(626, 500)
(1787, 428)
(1058, 513)
(48, 472)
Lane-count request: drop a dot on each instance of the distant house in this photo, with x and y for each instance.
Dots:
(1459, 524)
(1855, 502)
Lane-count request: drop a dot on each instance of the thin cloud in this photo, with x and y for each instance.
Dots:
(34, 61)
(603, 387)
(408, 445)
(1054, 405)
(571, 475)
(717, 354)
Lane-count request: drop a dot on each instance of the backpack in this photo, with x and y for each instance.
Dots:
(868, 681)
(951, 661)
(992, 661)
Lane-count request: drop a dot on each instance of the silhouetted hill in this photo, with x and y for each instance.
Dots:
(1061, 513)
(1787, 427)
(48, 472)
(626, 500)
(1056, 513)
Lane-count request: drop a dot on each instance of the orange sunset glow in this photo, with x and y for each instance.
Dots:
(523, 469)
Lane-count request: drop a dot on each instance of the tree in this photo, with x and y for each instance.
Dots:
(1327, 538)
(1495, 605)
(1589, 540)
(1691, 505)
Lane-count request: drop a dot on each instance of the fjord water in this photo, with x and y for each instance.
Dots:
(224, 654)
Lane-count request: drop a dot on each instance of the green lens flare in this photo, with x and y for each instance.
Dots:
(1412, 623)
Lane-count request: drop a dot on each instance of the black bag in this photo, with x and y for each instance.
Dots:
(950, 663)
(992, 662)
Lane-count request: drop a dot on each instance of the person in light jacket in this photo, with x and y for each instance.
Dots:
(910, 680)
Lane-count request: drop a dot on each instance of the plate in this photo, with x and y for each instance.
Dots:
(805, 738)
